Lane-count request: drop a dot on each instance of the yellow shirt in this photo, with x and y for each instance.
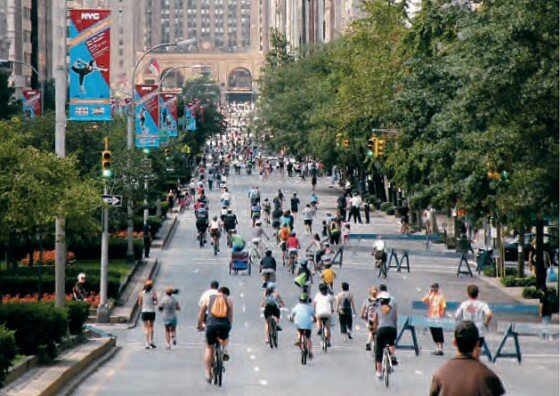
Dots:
(328, 276)
(436, 305)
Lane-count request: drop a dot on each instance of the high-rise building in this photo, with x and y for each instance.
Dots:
(16, 32)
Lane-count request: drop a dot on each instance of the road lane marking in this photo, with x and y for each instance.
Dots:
(256, 369)
(244, 308)
(263, 382)
(252, 357)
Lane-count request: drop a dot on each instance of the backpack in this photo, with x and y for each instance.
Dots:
(219, 307)
(552, 301)
(346, 306)
(301, 279)
(230, 222)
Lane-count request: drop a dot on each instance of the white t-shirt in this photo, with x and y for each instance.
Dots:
(356, 201)
(475, 311)
(205, 298)
(307, 214)
(214, 225)
(379, 245)
(324, 305)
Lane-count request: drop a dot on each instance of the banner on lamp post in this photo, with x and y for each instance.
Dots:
(146, 120)
(168, 113)
(32, 103)
(89, 42)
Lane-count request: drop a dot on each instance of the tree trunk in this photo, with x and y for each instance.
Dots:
(521, 253)
(540, 270)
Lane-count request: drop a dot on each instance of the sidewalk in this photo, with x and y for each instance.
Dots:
(55, 378)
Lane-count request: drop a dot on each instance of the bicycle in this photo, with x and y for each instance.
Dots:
(324, 338)
(292, 260)
(272, 332)
(255, 253)
(201, 238)
(303, 347)
(218, 364)
(216, 242)
(386, 365)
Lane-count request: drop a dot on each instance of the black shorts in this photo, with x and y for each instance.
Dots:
(345, 322)
(305, 332)
(307, 222)
(294, 210)
(148, 316)
(385, 336)
(271, 310)
(215, 332)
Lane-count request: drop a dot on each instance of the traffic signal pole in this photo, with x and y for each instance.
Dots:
(60, 76)
(103, 309)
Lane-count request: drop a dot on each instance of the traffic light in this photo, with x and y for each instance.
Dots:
(186, 149)
(371, 145)
(379, 147)
(106, 161)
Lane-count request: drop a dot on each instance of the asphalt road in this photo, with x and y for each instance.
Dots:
(255, 369)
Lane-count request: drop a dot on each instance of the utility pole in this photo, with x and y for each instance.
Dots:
(60, 75)
(103, 310)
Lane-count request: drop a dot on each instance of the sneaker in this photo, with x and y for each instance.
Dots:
(310, 355)
(350, 336)
(226, 356)
(167, 346)
(437, 353)
(329, 344)
(368, 347)
(174, 341)
(147, 346)
(153, 345)
(378, 377)
(394, 360)
(278, 328)
(266, 341)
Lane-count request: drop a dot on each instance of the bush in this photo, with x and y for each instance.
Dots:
(385, 205)
(38, 326)
(164, 207)
(491, 272)
(91, 248)
(22, 284)
(8, 351)
(155, 224)
(78, 312)
(514, 281)
(390, 211)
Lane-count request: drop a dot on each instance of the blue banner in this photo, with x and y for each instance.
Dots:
(89, 40)
(146, 102)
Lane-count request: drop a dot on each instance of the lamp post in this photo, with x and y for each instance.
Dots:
(41, 82)
(165, 73)
(130, 129)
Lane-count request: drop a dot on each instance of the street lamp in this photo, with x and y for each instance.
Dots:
(41, 83)
(130, 126)
(165, 73)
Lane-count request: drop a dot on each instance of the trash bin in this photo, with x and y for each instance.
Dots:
(463, 245)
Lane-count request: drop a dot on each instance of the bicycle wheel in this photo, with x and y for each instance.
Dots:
(271, 329)
(304, 351)
(386, 367)
(215, 247)
(254, 256)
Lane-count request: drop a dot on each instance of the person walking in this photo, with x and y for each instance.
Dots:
(476, 311)
(355, 203)
(169, 307)
(345, 308)
(79, 291)
(147, 299)
(436, 309)
(147, 240)
(307, 214)
(465, 374)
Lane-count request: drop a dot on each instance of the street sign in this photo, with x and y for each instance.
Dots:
(113, 200)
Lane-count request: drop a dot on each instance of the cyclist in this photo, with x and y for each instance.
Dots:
(237, 241)
(316, 247)
(368, 314)
(268, 268)
(258, 234)
(218, 325)
(215, 231)
(323, 303)
(306, 282)
(226, 198)
(328, 276)
(294, 203)
(346, 309)
(386, 317)
(283, 235)
(272, 302)
(223, 213)
(379, 250)
(293, 246)
(255, 211)
(303, 317)
(266, 209)
(201, 227)
(230, 222)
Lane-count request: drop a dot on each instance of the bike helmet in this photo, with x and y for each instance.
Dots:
(271, 285)
(384, 297)
(303, 262)
(293, 233)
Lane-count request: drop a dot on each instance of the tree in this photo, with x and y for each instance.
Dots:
(8, 105)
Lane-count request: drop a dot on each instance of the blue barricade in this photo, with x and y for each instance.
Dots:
(495, 307)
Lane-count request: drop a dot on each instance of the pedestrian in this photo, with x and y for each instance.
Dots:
(341, 205)
(335, 232)
(476, 311)
(346, 308)
(355, 203)
(294, 204)
(147, 299)
(169, 307)
(307, 214)
(436, 310)
(368, 315)
(548, 305)
(367, 209)
(79, 291)
(465, 374)
(147, 237)
(346, 234)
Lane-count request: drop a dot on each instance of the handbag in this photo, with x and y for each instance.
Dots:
(552, 274)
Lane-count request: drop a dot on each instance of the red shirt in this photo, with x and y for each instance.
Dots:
(293, 242)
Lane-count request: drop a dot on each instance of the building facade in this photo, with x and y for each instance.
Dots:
(15, 39)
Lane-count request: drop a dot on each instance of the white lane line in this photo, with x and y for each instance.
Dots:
(244, 308)
(256, 369)
(252, 357)
(241, 295)
(249, 350)
(195, 271)
(418, 372)
(263, 382)
(246, 325)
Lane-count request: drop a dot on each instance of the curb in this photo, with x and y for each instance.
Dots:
(135, 313)
(67, 376)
